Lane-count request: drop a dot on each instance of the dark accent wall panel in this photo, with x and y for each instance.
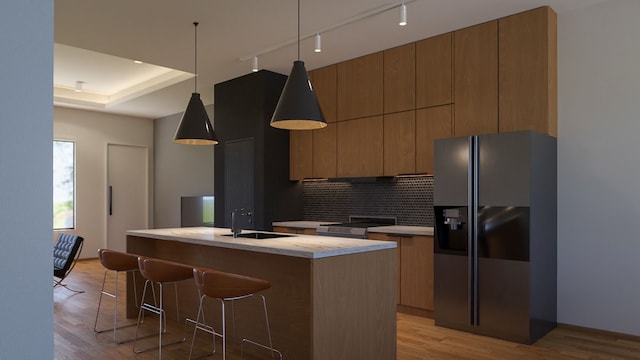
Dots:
(410, 199)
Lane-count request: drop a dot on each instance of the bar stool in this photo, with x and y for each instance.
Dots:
(224, 287)
(160, 272)
(117, 262)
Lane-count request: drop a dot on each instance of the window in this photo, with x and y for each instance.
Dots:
(63, 184)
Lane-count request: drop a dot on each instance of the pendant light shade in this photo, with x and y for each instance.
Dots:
(298, 107)
(195, 127)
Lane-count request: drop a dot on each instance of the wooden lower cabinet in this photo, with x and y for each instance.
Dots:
(290, 230)
(415, 269)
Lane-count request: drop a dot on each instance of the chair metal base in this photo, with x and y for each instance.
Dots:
(57, 283)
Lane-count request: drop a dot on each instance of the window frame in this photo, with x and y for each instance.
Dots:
(73, 190)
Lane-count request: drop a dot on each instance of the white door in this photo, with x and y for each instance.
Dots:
(127, 193)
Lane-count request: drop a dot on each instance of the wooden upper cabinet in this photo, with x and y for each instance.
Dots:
(300, 154)
(360, 89)
(399, 78)
(431, 124)
(476, 79)
(324, 151)
(324, 81)
(400, 143)
(360, 144)
(434, 82)
(528, 72)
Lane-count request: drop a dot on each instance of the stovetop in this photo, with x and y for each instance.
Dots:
(356, 227)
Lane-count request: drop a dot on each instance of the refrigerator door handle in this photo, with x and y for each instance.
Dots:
(475, 202)
(470, 232)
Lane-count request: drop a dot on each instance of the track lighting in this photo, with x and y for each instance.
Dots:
(79, 86)
(403, 15)
(254, 68)
(318, 43)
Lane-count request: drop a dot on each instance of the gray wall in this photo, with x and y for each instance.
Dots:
(92, 132)
(179, 170)
(599, 166)
(26, 125)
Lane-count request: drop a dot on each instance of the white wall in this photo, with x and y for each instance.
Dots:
(180, 170)
(599, 166)
(92, 132)
(26, 303)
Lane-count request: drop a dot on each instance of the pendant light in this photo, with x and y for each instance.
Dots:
(298, 107)
(195, 127)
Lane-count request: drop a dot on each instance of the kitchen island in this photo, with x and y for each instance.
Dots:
(331, 298)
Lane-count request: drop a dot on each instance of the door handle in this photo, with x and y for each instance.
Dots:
(110, 200)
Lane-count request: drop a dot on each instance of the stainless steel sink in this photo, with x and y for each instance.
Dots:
(259, 235)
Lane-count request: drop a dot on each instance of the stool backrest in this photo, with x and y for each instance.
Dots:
(117, 260)
(163, 271)
(220, 285)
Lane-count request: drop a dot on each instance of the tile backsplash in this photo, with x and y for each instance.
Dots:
(409, 199)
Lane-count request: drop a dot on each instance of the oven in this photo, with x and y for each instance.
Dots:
(357, 226)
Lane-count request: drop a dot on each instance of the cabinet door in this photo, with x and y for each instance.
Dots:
(400, 78)
(324, 82)
(300, 154)
(360, 91)
(385, 237)
(476, 80)
(324, 151)
(417, 271)
(399, 143)
(528, 72)
(433, 71)
(360, 147)
(431, 124)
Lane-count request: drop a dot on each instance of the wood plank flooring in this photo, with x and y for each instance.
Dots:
(418, 338)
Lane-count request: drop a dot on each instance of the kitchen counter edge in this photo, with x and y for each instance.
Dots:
(303, 246)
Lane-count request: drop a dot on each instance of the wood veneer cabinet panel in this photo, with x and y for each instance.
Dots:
(360, 150)
(528, 72)
(431, 124)
(434, 82)
(400, 78)
(417, 271)
(476, 79)
(360, 90)
(325, 81)
(385, 237)
(324, 151)
(300, 155)
(400, 143)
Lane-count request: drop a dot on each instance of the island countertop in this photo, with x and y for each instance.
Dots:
(304, 246)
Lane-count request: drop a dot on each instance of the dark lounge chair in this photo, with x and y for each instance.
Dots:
(66, 252)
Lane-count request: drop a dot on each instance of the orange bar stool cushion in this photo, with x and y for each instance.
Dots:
(118, 261)
(162, 271)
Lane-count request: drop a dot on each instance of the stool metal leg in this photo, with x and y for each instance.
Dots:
(114, 295)
(270, 347)
(162, 319)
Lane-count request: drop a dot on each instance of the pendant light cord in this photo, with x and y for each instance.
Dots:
(195, 61)
(298, 30)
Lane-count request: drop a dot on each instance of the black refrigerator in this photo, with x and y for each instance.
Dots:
(495, 235)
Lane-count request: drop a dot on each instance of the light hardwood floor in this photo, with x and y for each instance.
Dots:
(418, 338)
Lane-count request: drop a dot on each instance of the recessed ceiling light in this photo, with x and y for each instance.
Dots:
(137, 62)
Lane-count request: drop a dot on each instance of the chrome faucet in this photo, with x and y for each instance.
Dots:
(235, 229)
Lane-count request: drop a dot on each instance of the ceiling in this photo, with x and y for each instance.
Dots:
(96, 42)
